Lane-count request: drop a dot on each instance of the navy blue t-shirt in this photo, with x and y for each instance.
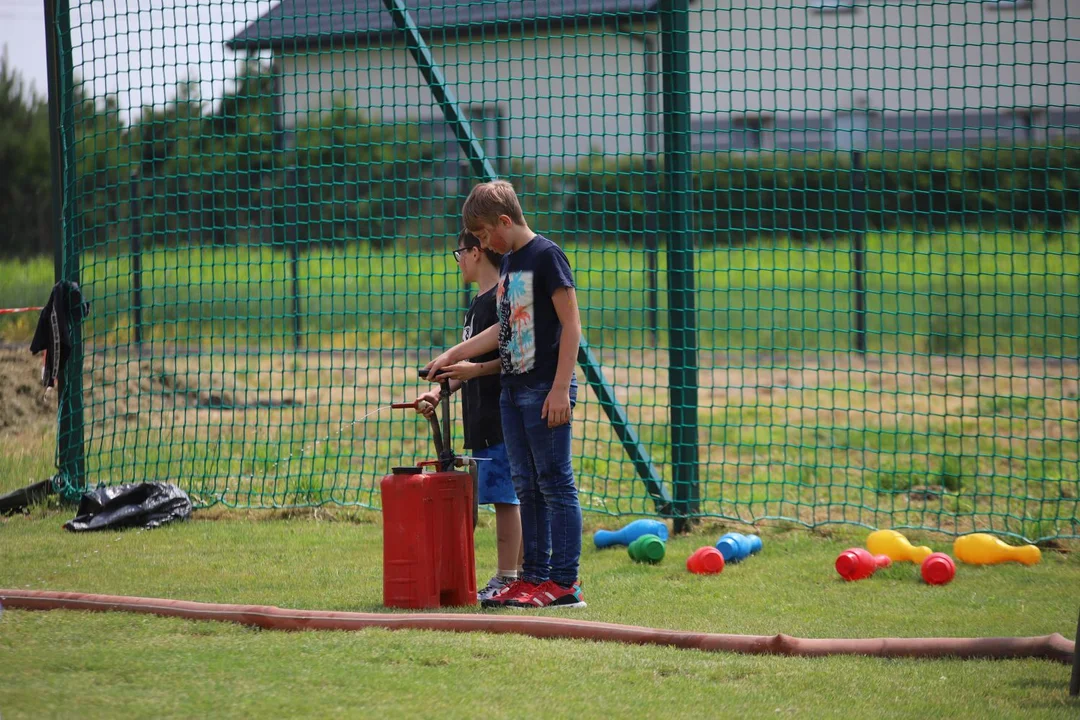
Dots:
(529, 327)
(480, 396)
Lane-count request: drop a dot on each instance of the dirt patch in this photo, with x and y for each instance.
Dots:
(22, 398)
(124, 387)
(202, 385)
(133, 388)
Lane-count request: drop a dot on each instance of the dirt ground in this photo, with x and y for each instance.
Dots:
(837, 431)
(23, 400)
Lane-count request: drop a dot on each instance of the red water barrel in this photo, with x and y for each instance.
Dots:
(428, 558)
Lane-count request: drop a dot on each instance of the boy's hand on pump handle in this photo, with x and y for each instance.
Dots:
(425, 404)
(437, 367)
(463, 370)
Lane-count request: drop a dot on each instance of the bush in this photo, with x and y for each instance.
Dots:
(355, 178)
(742, 197)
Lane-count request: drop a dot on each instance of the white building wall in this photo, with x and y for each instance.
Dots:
(561, 95)
(903, 55)
(566, 93)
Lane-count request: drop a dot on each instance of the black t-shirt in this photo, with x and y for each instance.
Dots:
(480, 396)
(529, 327)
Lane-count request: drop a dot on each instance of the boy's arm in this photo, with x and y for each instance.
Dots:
(466, 370)
(485, 342)
(491, 367)
(557, 406)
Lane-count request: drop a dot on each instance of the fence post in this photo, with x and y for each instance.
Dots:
(483, 169)
(682, 334)
(858, 239)
(71, 461)
(652, 246)
(291, 234)
(294, 264)
(56, 165)
(135, 230)
(852, 136)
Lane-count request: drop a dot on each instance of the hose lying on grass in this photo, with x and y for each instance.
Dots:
(1052, 647)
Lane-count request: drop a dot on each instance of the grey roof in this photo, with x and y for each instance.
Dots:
(315, 23)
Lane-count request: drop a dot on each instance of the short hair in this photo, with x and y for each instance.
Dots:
(468, 240)
(487, 201)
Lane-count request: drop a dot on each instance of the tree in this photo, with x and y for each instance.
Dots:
(355, 177)
(25, 194)
(102, 159)
(203, 170)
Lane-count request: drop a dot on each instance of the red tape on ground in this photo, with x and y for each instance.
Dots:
(9, 311)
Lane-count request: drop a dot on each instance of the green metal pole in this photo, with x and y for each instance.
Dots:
(135, 230)
(682, 373)
(474, 150)
(485, 171)
(71, 459)
(52, 64)
(858, 246)
(292, 240)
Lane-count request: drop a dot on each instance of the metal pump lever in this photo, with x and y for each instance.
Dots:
(443, 443)
(441, 437)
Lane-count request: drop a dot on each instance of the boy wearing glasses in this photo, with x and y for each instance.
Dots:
(480, 388)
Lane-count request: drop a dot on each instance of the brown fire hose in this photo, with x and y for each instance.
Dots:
(1053, 647)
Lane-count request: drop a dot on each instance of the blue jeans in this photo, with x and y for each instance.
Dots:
(544, 483)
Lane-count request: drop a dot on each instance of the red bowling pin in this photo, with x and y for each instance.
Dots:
(859, 564)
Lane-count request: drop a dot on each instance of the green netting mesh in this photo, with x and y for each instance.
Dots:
(261, 200)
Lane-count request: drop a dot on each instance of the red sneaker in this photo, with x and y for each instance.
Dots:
(510, 592)
(549, 594)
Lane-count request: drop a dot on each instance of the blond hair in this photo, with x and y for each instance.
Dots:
(488, 201)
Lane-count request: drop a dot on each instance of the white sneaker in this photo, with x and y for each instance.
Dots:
(494, 585)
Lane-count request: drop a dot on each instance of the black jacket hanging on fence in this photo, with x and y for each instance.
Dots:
(61, 313)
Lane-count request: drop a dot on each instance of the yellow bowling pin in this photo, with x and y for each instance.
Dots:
(984, 549)
(896, 546)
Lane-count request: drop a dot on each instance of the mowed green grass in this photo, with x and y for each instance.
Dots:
(117, 665)
(1013, 293)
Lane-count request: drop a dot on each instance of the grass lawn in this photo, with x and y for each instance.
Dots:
(1004, 292)
(113, 665)
(109, 665)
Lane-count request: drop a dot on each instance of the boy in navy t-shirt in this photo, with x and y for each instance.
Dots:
(537, 337)
(477, 381)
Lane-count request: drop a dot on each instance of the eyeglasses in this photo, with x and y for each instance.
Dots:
(458, 251)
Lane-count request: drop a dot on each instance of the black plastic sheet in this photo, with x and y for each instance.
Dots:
(136, 505)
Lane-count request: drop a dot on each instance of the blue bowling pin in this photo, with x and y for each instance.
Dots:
(736, 546)
(630, 533)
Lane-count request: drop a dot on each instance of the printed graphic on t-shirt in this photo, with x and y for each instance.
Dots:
(517, 333)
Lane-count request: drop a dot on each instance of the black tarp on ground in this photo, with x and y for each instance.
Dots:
(143, 505)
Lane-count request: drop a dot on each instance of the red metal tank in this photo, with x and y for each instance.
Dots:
(428, 558)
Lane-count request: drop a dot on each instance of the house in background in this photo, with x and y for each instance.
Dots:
(553, 80)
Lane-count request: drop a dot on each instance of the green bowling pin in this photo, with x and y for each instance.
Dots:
(647, 548)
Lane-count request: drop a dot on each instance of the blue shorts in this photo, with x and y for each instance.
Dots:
(494, 482)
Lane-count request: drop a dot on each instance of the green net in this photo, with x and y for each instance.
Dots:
(826, 251)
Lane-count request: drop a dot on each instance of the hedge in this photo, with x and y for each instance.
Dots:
(741, 197)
